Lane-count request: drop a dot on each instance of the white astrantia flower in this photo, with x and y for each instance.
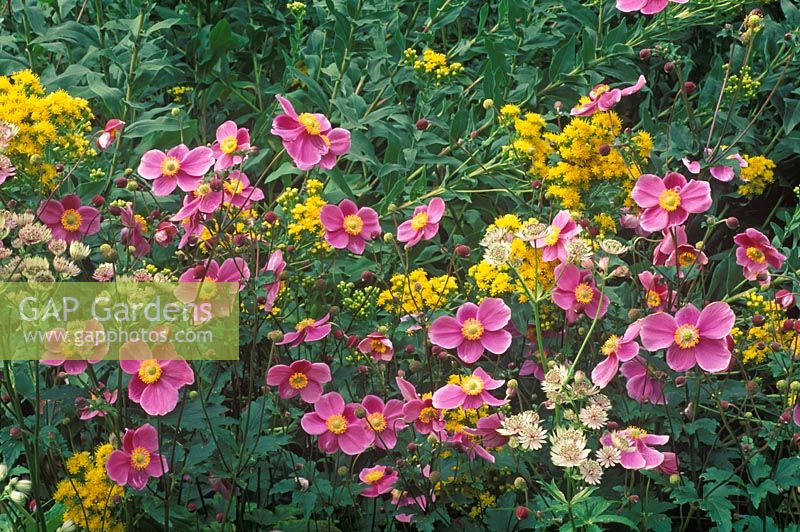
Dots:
(608, 456)
(591, 472)
(497, 254)
(594, 416)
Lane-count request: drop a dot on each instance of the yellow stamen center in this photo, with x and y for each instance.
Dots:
(636, 433)
(337, 424)
(610, 345)
(472, 385)
(377, 422)
(228, 145)
(428, 415)
(583, 293)
(71, 220)
(687, 336)
(170, 166)
(378, 346)
(202, 190)
(149, 371)
(687, 258)
(552, 236)
(140, 458)
(303, 324)
(419, 221)
(298, 381)
(233, 187)
(353, 224)
(472, 329)
(373, 476)
(755, 254)
(669, 200)
(141, 221)
(653, 299)
(310, 122)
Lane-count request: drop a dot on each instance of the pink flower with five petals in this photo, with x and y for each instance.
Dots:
(307, 330)
(301, 378)
(138, 460)
(475, 328)
(644, 382)
(668, 202)
(634, 445)
(755, 253)
(602, 98)
(616, 349)
(155, 383)
(554, 244)
(384, 419)
(575, 292)
(232, 140)
(336, 426)
(179, 167)
(472, 393)
(347, 226)
(379, 480)
(423, 225)
(68, 219)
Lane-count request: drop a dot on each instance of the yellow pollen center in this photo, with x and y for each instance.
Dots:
(140, 458)
(310, 122)
(636, 433)
(298, 381)
(472, 329)
(71, 220)
(141, 221)
(170, 166)
(686, 258)
(428, 414)
(552, 236)
(600, 90)
(303, 324)
(353, 224)
(377, 422)
(234, 187)
(583, 293)
(373, 476)
(755, 255)
(202, 190)
(687, 336)
(228, 145)
(669, 200)
(149, 371)
(378, 347)
(419, 221)
(472, 385)
(337, 424)
(653, 299)
(610, 345)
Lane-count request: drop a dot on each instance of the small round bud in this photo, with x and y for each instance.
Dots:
(463, 250)
(434, 477)
(363, 369)
(674, 479)
(512, 383)
(98, 200)
(689, 87)
(521, 513)
(758, 320)
(422, 124)
(669, 66)
(488, 103)
(795, 386)
(732, 222)
(175, 111)
(762, 277)
(680, 380)
(411, 447)
(644, 54)
(520, 483)
(14, 432)
(388, 237)
(270, 217)
(367, 277)
(343, 471)
(787, 325)
(275, 336)
(121, 182)
(192, 507)
(604, 150)
(59, 167)
(781, 385)
(194, 394)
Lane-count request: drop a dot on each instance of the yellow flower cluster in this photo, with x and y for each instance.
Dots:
(433, 64)
(528, 141)
(761, 340)
(304, 220)
(756, 176)
(416, 292)
(54, 121)
(179, 92)
(88, 495)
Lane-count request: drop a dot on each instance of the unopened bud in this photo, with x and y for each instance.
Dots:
(689, 87)
(520, 483)
(462, 250)
(645, 53)
(521, 513)
(422, 124)
(669, 66)
(604, 150)
(732, 222)
(488, 103)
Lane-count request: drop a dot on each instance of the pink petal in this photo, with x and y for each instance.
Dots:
(446, 332)
(647, 190)
(313, 424)
(696, 196)
(681, 359)
(470, 351)
(150, 165)
(658, 331)
(605, 371)
(330, 404)
(493, 314)
(716, 320)
(159, 399)
(118, 465)
(713, 354)
(449, 396)
(496, 342)
(331, 217)
(654, 219)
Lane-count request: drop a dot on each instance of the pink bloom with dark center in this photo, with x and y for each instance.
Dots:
(634, 444)
(109, 134)
(377, 346)
(179, 167)
(133, 228)
(138, 460)
(384, 420)
(471, 393)
(616, 349)
(307, 330)
(309, 138)
(692, 337)
(67, 219)
(275, 265)
(59, 344)
(379, 480)
(301, 378)
(575, 292)
(645, 7)
(486, 428)
(347, 226)
(232, 141)
(420, 411)
(655, 293)
(688, 258)
(155, 383)
(423, 225)
(645, 384)
(602, 98)
(475, 328)
(554, 244)
(668, 202)
(336, 426)
(755, 254)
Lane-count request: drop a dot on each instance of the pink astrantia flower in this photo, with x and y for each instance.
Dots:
(309, 138)
(379, 480)
(755, 254)
(634, 444)
(275, 265)
(109, 134)
(655, 293)
(474, 329)
(377, 346)
(383, 419)
(155, 383)
(719, 172)
(575, 292)
(133, 228)
(301, 378)
(692, 337)
(336, 426)
(232, 140)
(138, 460)
(419, 411)
(423, 225)
(471, 393)
(554, 244)
(602, 98)
(616, 349)
(668, 202)
(486, 428)
(347, 226)
(645, 7)
(307, 330)
(58, 344)
(179, 167)
(67, 219)
(645, 384)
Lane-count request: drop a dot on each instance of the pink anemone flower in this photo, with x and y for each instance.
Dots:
(275, 265)
(645, 383)
(307, 330)
(179, 167)
(379, 480)
(634, 444)
(377, 346)
(670, 465)
(138, 460)
(347, 226)
(419, 410)
(200, 283)
(384, 420)
(87, 347)
(109, 134)
(336, 426)
(692, 337)
(616, 349)
(668, 245)
(554, 244)
(575, 292)
(203, 199)
(655, 293)
(67, 219)
(645, 7)
(155, 383)
(720, 172)
(133, 228)
(423, 225)
(755, 254)
(472, 393)
(464, 443)
(602, 98)
(301, 378)
(486, 428)
(309, 138)
(232, 140)
(475, 328)
(668, 202)
(238, 191)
